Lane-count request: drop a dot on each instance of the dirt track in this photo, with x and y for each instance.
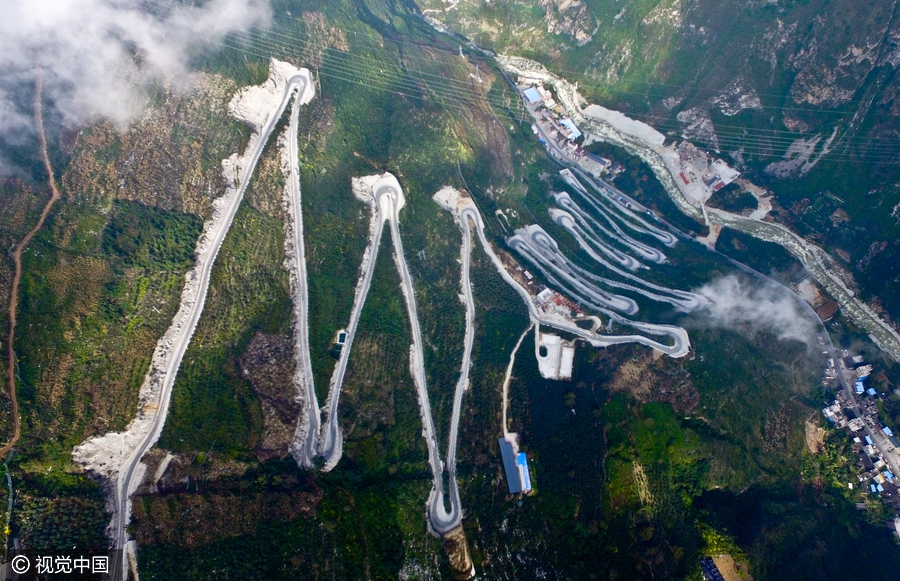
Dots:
(17, 261)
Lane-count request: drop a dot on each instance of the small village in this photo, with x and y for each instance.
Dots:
(551, 123)
(855, 411)
(701, 175)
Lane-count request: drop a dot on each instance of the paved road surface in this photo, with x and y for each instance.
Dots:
(441, 520)
(330, 443)
(125, 483)
(389, 196)
(589, 227)
(537, 247)
(606, 193)
(683, 300)
(681, 342)
(645, 251)
(304, 450)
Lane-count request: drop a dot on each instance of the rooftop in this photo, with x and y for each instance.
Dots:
(532, 95)
(510, 464)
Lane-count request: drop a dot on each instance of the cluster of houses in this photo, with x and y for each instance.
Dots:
(549, 300)
(552, 124)
(854, 414)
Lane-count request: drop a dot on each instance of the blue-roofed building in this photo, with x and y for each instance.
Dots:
(709, 569)
(859, 387)
(522, 462)
(532, 95)
(601, 160)
(873, 488)
(570, 125)
(888, 432)
(888, 475)
(510, 466)
(871, 391)
(879, 488)
(869, 440)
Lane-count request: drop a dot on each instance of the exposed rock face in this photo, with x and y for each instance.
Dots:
(697, 125)
(832, 65)
(569, 17)
(668, 13)
(773, 40)
(736, 97)
(801, 156)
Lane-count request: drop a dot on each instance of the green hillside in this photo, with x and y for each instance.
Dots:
(641, 463)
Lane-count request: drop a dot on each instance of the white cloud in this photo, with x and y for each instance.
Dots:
(740, 301)
(98, 55)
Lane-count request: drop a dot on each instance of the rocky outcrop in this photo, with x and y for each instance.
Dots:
(841, 51)
(569, 17)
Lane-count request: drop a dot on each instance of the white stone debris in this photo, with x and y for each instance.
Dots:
(448, 198)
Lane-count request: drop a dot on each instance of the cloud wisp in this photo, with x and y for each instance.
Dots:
(742, 302)
(99, 55)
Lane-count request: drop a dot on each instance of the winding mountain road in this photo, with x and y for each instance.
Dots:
(681, 343)
(389, 196)
(541, 250)
(582, 222)
(606, 193)
(683, 300)
(330, 442)
(441, 520)
(303, 376)
(128, 476)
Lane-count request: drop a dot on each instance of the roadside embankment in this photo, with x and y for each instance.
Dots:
(116, 456)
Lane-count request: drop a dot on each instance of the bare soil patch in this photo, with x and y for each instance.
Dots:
(268, 364)
(648, 378)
